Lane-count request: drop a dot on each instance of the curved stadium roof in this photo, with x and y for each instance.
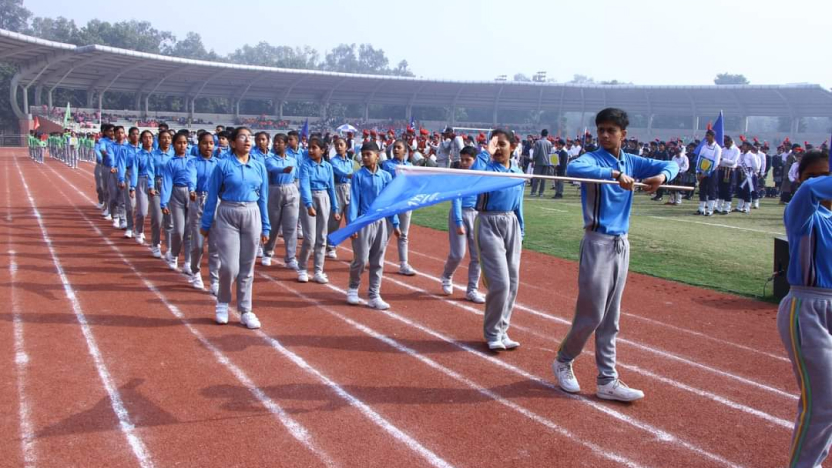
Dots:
(101, 69)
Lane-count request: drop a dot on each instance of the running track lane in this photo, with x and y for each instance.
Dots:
(388, 297)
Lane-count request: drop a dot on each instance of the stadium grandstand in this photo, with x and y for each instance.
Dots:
(656, 111)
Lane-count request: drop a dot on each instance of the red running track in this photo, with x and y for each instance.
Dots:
(113, 359)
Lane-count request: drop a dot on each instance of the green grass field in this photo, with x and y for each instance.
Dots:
(731, 253)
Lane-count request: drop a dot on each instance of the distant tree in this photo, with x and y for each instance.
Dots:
(729, 79)
(402, 69)
(614, 82)
(59, 29)
(352, 58)
(132, 35)
(582, 79)
(267, 55)
(191, 47)
(14, 16)
(521, 77)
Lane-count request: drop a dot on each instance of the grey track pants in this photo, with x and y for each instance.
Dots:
(539, 185)
(159, 220)
(198, 242)
(178, 207)
(100, 188)
(314, 231)
(237, 231)
(404, 226)
(458, 246)
(114, 196)
(284, 203)
(128, 202)
(498, 240)
(602, 275)
(804, 322)
(342, 192)
(369, 247)
(142, 204)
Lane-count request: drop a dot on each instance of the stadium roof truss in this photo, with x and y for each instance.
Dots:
(99, 69)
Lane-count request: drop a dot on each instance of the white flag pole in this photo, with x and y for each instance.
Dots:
(463, 172)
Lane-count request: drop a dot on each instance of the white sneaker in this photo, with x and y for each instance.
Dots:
(619, 391)
(116, 224)
(320, 278)
(128, 234)
(173, 263)
(496, 345)
(566, 378)
(108, 217)
(352, 297)
(215, 288)
(266, 261)
(509, 343)
(250, 320)
(197, 282)
(259, 251)
(292, 265)
(222, 313)
(186, 269)
(378, 303)
(475, 297)
(303, 276)
(407, 270)
(122, 224)
(331, 254)
(156, 251)
(447, 286)
(140, 239)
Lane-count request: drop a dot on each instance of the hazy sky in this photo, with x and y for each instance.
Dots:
(640, 41)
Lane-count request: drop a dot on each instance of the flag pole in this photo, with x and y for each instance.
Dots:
(445, 170)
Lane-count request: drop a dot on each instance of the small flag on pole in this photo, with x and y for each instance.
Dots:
(304, 132)
(36, 124)
(67, 115)
(719, 131)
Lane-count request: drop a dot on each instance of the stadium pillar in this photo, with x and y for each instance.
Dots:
(280, 110)
(90, 97)
(147, 105)
(100, 101)
(650, 126)
(138, 105)
(38, 94)
(695, 124)
(49, 100)
(237, 108)
(408, 113)
(192, 107)
(744, 124)
(795, 126)
(367, 111)
(453, 115)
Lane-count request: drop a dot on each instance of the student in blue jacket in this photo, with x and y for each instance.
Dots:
(399, 158)
(804, 316)
(175, 201)
(605, 251)
(141, 182)
(159, 220)
(200, 170)
(342, 167)
(318, 198)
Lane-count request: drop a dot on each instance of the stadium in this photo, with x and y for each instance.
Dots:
(117, 357)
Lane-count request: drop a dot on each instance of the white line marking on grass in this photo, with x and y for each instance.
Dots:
(649, 349)
(125, 424)
(297, 430)
(554, 209)
(600, 451)
(715, 225)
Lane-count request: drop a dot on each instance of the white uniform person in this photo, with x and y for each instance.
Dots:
(242, 223)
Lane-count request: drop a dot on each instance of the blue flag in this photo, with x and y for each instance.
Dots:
(413, 123)
(304, 132)
(719, 130)
(414, 189)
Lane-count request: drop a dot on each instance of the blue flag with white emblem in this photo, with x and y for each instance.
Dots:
(304, 132)
(719, 137)
(415, 188)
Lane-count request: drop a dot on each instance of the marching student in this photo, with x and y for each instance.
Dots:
(141, 182)
(461, 220)
(605, 251)
(710, 156)
(400, 158)
(158, 219)
(175, 200)
(803, 316)
(343, 169)
(725, 175)
(114, 192)
(759, 176)
(370, 243)
(102, 176)
(748, 168)
(317, 194)
(681, 160)
(240, 223)
(498, 232)
(284, 202)
(126, 160)
(221, 148)
(200, 170)
(261, 149)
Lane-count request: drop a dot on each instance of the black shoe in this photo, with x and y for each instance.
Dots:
(722, 212)
(558, 195)
(697, 212)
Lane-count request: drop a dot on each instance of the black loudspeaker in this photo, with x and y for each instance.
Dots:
(781, 266)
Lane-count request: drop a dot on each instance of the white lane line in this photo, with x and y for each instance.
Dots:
(365, 409)
(628, 314)
(725, 226)
(646, 348)
(650, 429)
(554, 209)
(21, 359)
(598, 450)
(125, 424)
(674, 383)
